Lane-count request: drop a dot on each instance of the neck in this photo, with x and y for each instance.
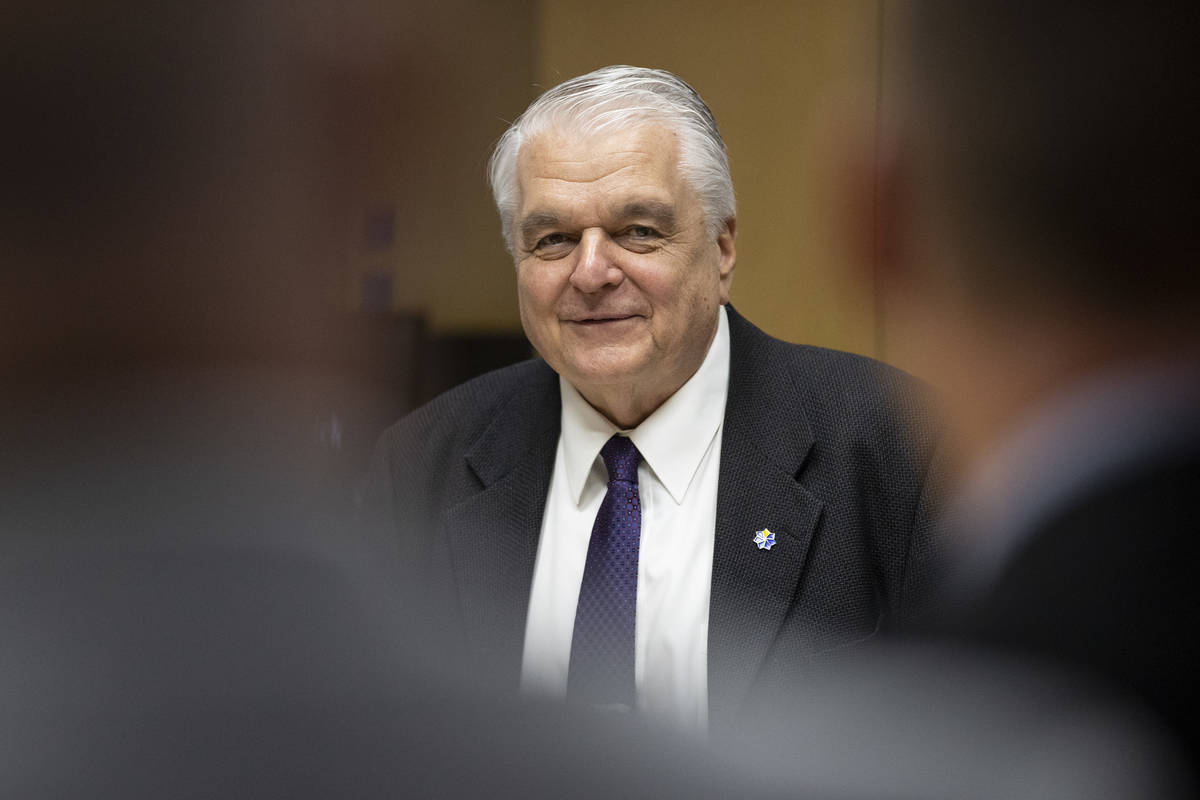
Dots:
(625, 407)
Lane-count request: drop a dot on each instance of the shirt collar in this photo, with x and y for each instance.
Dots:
(672, 440)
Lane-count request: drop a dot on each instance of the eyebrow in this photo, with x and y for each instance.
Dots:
(537, 221)
(662, 214)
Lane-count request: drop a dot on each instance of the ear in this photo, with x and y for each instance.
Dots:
(725, 243)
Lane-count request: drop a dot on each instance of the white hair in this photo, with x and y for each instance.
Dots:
(614, 97)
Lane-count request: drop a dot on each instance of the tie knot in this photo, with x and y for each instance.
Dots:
(622, 458)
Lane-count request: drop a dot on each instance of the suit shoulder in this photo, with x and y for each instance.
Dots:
(850, 370)
(842, 396)
(460, 414)
(843, 383)
(819, 368)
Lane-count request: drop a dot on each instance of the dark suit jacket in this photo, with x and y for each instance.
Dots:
(815, 448)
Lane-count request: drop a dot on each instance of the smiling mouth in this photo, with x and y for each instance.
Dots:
(602, 320)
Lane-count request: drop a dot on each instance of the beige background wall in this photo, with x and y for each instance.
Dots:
(436, 104)
(789, 82)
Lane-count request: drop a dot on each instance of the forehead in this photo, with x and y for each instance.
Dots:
(570, 168)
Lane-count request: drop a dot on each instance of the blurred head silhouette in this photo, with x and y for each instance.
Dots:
(1036, 197)
(171, 184)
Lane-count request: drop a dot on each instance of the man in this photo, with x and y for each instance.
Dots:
(771, 507)
(1039, 260)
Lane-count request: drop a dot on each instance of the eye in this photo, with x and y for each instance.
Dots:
(551, 240)
(640, 238)
(553, 245)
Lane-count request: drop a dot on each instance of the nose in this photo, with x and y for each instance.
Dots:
(595, 267)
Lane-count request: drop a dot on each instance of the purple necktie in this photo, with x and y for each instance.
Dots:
(601, 671)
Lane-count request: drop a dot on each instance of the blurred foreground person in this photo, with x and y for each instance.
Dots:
(1037, 259)
(180, 614)
(1034, 191)
(906, 720)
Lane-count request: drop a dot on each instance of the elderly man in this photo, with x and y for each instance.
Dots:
(669, 510)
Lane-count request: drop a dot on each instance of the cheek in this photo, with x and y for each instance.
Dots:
(690, 292)
(536, 300)
(533, 292)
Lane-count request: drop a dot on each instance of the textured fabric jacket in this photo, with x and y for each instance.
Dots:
(816, 446)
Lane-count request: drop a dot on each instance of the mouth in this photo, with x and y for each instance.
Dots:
(601, 319)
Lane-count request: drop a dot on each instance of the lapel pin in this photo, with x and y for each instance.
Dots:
(765, 539)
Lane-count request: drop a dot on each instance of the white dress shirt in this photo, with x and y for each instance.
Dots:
(680, 445)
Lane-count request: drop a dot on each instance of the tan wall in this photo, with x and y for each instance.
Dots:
(780, 77)
(436, 106)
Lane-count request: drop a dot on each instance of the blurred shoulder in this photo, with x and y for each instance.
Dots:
(464, 412)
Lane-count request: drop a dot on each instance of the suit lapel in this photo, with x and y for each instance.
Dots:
(765, 439)
(493, 535)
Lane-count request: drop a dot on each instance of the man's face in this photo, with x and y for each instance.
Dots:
(618, 277)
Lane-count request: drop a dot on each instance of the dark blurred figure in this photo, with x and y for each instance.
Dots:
(180, 614)
(905, 720)
(1037, 251)
(1034, 194)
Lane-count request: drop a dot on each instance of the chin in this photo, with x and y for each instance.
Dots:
(605, 373)
(605, 376)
